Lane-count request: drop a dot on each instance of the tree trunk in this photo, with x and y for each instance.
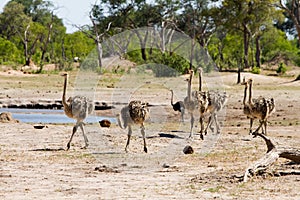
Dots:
(45, 46)
(144, 55)
(97, 40)
(143, 41)
(239, 75)
(246, 48)
(258, 51)
(100, 52)
(25, 43)
(63, 51)
(273, 153)
(221, 56)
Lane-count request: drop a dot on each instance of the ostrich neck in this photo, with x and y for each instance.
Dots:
(171, 97)
(64, 92)
(245, 94)
(189, 90)
(250, 93)
(200, 81)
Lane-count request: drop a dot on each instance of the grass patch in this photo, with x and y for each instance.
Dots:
(215, 189)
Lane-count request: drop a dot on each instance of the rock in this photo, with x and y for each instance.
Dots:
(105, 123)
(165, 165)
(39, 126)
(188, 150)
(7, 118)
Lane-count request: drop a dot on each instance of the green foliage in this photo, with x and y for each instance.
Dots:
(8, 52)
(255, 70)
(229, 47)
(276, 45)
(281, 68)
(219, 29)
(90, 64)
(163, 64)
(135, 56)
(173, 61)
(77, 44)
(160, 70)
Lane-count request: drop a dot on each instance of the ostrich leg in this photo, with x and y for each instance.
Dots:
(217, 123)
(251, 123)
(262, 122)
(202, 127)
(209, 124)
(74, 131)
(182, 114)
(128, 137)
(192, 125)
(84, 136)
(144, 137)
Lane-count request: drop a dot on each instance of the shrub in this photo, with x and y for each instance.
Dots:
(255, 70)
(281, 68)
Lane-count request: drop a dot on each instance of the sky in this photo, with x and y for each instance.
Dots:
(71, 11)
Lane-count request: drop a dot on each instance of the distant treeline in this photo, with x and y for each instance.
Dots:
(235, 34)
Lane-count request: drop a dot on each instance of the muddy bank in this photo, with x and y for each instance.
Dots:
(46, 104)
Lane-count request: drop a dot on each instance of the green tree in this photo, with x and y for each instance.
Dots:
(292, 12)
(8, 52)
(275, 44)
(13, 21)
(32, 24)
(78, 44)
(247, 18)
(38, 10)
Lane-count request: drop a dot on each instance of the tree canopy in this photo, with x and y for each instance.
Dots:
(242, 34)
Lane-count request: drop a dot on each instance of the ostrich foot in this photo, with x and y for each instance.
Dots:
(126, 150)
(68, 146)
(145, 149)
(190, 138)
(201, 136)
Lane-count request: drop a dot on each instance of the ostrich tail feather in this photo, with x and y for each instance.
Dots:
(121, 119)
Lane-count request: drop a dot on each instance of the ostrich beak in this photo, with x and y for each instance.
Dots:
(64, 74)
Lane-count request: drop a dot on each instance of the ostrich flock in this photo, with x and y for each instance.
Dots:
(206, 103)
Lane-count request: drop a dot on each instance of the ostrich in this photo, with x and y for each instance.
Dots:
(191, 101)
(178, 106)
(247, 108)
(136, 112)
(77, 107)
(260, 108)
(210, 102)
(216, 102)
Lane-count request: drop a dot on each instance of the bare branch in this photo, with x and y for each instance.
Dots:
(271, 157)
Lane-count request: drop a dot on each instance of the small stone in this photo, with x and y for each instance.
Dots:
(105, 123)
(165, 165)
(188, 150)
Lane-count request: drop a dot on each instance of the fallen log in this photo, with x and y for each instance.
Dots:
(271, 156)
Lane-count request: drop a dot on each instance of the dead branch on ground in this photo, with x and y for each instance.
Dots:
(273, 153)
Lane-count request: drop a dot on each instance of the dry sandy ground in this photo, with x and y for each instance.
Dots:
(34, 164)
